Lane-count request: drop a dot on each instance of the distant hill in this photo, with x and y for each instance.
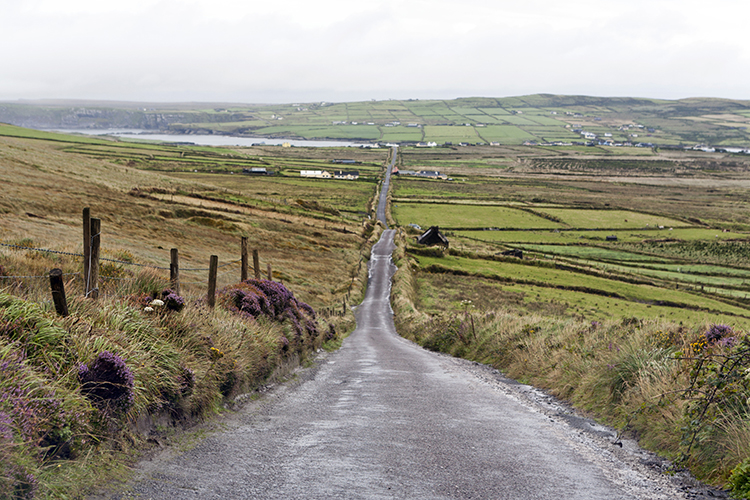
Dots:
(540, 118)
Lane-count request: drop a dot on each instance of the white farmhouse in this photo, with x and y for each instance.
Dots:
(317, 174)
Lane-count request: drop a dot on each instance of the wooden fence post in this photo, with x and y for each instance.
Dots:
(58, 292)
(270, 272)
(174, 270)
(256, 264)
(86, 249)
(96, 229)
(243, 257)
(343, 308)
(212, 268)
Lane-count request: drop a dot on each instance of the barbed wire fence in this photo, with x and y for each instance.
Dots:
(91, 261)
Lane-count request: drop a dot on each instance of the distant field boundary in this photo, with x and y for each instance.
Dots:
(438, 269)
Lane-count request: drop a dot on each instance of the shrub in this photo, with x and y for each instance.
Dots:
(739, 480)
(172, 301)
(27, 408)
(719, 332)
(253, 298)
(718, 388)
(107, 382)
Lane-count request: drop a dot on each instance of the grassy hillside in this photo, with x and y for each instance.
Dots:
(79, 395)
(512, 120)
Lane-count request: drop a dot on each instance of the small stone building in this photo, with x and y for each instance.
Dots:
(433, 237)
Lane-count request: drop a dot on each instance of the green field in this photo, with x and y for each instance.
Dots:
(446, 133)
(577, 237)
(609, 219)
(510, 120)
(570, 281)
(441, 292)
(451, 215)
(591, 248)
(487, 216)
(505, 134)
(596, 253)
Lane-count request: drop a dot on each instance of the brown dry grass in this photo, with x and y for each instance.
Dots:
(45, 187)
(45, 190)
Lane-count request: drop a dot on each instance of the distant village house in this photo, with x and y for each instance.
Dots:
(317, 174)
(351, 175)
(255, 171)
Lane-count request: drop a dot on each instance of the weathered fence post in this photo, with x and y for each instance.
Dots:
(58, 292)
(212, 268)
(270, 272)
(174, 270)
(256, 264)
(243, 257)
(93, 281)
(343, 306)
(86, 249)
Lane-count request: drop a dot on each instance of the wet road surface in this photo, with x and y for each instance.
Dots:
(384, 419)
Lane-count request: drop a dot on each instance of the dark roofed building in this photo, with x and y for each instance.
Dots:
(433, 237)
(255, 171)
(350, 175)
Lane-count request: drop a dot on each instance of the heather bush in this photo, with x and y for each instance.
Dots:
(253, 298)
(38, 422)
(71, 388)
(172, 301)
(108, 382)
(16, 482)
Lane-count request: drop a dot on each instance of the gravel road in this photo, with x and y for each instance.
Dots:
(384, 419)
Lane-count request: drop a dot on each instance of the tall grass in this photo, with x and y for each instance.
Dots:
(56, 436)
(645, 377)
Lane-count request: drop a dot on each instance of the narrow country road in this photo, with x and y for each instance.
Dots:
(383, 200)
(384, 419)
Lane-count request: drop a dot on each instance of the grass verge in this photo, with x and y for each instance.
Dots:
(679, 388)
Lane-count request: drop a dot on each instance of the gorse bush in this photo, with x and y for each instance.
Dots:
(718, 369)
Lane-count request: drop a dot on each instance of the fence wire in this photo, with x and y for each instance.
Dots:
(30, 277)
(223, 270)
(46, 250)
(117, 261)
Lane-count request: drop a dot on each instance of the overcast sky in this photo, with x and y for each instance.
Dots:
(345, 50)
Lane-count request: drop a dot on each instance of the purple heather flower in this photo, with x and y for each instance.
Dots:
(108, 378)
(728, 342)
(6, 426)
(172, 301)
(718, 332)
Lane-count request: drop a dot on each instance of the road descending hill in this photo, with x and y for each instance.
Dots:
(382, 418)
